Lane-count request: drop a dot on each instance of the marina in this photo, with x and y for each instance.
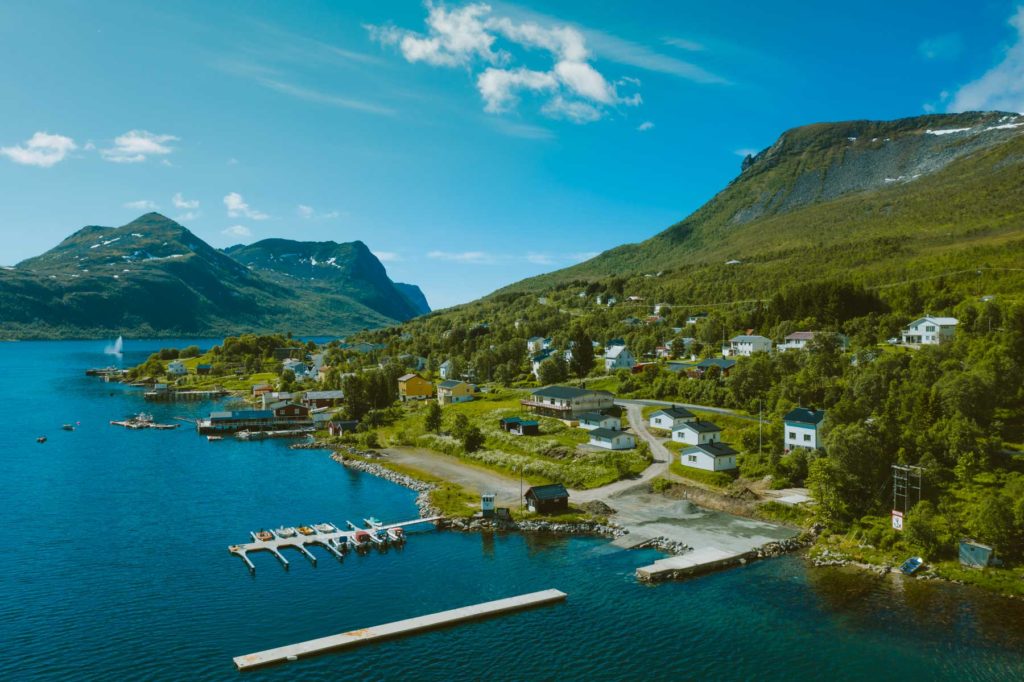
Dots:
(399, 628)
(142, 421)
(327, 535)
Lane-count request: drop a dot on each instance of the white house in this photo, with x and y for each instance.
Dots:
(709, 456)
(618, 357)
(930, 330)
(697, 432)
(612, 440)
(535, 344)
(803, 428)
(801, 340)
(695, 318)
(298, 367)
(537, 360)
(671, 417)
(746, 345)
(445, 369)
(595, 420)
(176, 368)
(658, 307)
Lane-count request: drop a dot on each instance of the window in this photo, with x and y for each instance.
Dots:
(807, 437)
(792, 435)
(929, 328)
(691, 458)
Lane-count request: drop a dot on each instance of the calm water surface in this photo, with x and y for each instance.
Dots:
(116, 568)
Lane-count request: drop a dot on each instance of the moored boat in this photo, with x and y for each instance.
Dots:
(306, 530)
(264, 535)
(324, 528)
(214, 438)
(68, 427)
(285, 532)
(912, 565)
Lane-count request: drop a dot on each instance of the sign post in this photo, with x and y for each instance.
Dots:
(897, 519)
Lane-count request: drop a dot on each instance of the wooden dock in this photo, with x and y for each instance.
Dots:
(331, 540)
(399, 628)
(690, 564)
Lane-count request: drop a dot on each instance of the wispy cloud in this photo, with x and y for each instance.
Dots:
(310, 213)
(136, 146)
(645, 126)
(1002, 86)
(180, 201)
(142, 205)
(237, 207)
(188, 216)
(684, 44)
(42, 149)
(237, 231)
(526, 131)
(540, 258)
(311, 95)
(474, 257)
(941, 48)
(387, 256)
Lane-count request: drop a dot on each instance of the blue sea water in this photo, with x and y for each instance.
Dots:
(115, 567)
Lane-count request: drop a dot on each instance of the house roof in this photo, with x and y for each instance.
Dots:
(406, 377)
(614, 352)
(940, 321)
(534, 338)
(565, 392)
(324, 395)
(551, 491)
(700, 426)
(723, 363)
(450, 383)
(800, 336)
(446, 362)
(747, 338)
(675, 412)
(713, 449)
(804, 415)
(605, 434)
(594, 417)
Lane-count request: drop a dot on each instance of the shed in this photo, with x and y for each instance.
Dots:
(975, 555)
(547, 499)
(519, 426)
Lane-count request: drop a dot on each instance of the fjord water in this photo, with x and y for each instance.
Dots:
(115, 567)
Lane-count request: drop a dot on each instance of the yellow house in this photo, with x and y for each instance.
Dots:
(452, 391)
(414, 387)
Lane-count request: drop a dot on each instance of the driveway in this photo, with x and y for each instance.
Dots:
(707, 408)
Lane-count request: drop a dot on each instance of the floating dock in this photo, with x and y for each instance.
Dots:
(399, 628)
(692, 563)
(299, 537)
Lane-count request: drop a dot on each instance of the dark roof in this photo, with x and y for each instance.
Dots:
(552, 491)
(450, 383)
(724, 363)
(713, 449)
(805, 415)
(592, 416)
(605, 433)
(564, 392)
(241, 414)
(676, 412)
(325, 395)
(701, 426)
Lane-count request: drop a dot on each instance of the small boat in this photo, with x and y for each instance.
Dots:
(285, 532)
(397, 535)
(68, 427)
(41, 439)
(214, 438)
(306, 530)
(264, 535)
(324, 528)
(912, 565)
(361, 540)
(373, 522)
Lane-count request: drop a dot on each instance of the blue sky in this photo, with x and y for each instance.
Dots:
(468, 145)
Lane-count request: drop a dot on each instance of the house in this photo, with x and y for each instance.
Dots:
(709, 456)
(803, 428)
(566, 402)
(800, 341)
(270, 397)
(519, 427)
(454, 391)
(635, 299)
(204, 369)
(663, 352)
(322, 398)
(339, 427)
(618, 357)
(259, 389)
(696, 317)
(280, 415)
(631, 321)
(653, 319)
(535, 344)
(595, 420)
(698, 371)
(537, 360)
(297, 367)
(746, 345)
(697, 432)
(176, 368)
(930, 330)
(658, 307)
(414, 387)
(445, 370)
(416, 362)
(547, 499)
(671, 417)
(677, 366)
(612, 440)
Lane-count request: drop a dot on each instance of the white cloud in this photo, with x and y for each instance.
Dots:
(142, 205)
(136, 145)
(42, 150)
(684, 44)
(181, 202)
(584, 255)
(746, 151)
(475, 257)
(305, 211)
(573, 88)
(1002, 87)
(237, 231)
(237, 207)
(645, 126)
(187, 216)
(387, 256)
(309, 213)
(540, 258)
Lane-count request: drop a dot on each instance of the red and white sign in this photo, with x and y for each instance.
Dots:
(897, 520)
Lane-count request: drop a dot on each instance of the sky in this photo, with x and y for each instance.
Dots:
(469, 145)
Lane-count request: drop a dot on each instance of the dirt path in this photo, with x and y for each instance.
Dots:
(472, 478)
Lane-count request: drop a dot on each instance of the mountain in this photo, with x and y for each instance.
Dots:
(155, 277)
(871, 201)
(415, 296)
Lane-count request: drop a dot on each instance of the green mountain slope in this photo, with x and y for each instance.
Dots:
(154, 277)
(868, 201)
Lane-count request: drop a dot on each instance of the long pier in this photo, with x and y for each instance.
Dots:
(399, 628)
(334, 540)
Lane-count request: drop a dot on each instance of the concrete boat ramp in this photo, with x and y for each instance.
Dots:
(692, 563)
(326, 535)
(399, 628)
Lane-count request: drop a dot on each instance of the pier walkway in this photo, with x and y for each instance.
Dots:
(398, 628)
(331, 540)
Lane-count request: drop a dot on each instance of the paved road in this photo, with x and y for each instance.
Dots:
(707, 408)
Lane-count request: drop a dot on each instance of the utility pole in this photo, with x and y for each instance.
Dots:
(760, 424)
(520, 487)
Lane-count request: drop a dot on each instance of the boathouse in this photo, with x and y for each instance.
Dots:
(547, 499)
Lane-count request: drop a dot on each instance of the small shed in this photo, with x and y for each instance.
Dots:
(339, 427)
(204, 369)
(487, 505)
(519, 426)
(975, 555)
(547, 499)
